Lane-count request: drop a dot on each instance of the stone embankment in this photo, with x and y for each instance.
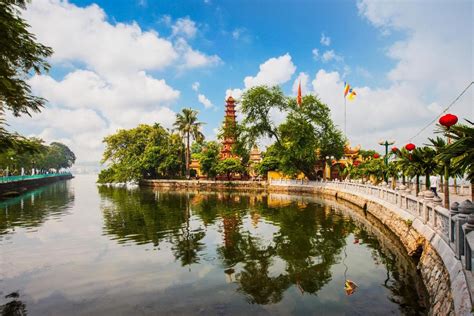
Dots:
(206, 185)
(12, 189)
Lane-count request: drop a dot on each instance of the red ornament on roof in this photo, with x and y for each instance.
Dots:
(394, 149)
(410, 146)
(376, 156)
(448, 120)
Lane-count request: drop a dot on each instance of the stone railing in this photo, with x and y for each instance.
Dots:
(455, 227)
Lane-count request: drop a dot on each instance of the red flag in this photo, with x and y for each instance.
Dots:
(299, 98)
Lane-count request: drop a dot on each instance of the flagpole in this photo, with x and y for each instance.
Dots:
(345, 124)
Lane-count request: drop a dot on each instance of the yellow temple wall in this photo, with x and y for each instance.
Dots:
(276, 175)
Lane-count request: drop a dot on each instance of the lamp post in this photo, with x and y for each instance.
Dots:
(386, 143)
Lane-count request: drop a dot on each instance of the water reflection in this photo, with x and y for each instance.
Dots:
(270, 246)
(33, 208)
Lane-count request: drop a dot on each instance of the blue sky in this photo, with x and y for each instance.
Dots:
(120, 63)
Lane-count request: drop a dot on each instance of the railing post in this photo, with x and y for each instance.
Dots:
(467, 246)
(465, 208)
(452, 222)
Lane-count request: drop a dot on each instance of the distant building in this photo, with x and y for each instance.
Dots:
(229, 129)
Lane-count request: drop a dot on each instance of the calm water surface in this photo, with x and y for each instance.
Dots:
(76, 248)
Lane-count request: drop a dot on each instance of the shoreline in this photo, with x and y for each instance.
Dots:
(14, 189)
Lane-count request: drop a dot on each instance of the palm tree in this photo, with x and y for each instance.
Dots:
(187, 124)
(461, 151)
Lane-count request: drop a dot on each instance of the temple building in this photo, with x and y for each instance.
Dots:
(229, 126)
(255, 158)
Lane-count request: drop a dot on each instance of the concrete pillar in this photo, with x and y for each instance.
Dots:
(465, 208)
(452, 224)
(467, 228)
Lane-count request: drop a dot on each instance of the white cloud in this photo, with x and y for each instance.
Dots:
(235, 93)
(304, 79)
(375, 112)
(195, 86)
(330, 55)
(431, 51)
(205, 101)
(193, 58)
(87, 37)
(325, 40)
(274, 71)
(315, 53)
(184, 27)
(87, 89)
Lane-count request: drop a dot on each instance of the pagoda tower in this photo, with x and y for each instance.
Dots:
(229, 125)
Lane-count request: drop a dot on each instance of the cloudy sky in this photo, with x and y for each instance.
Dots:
(120, 63)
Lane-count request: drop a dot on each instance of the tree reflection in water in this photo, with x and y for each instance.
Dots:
(33, 208)
(309, 239)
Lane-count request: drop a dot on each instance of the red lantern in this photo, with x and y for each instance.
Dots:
(410, 146)
(448, 120)
(394, 149)
(376, 156)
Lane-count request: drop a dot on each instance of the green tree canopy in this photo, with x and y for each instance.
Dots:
(142, 152)
(305, 137)
(229, 166)
(209, 158)
(20, 54)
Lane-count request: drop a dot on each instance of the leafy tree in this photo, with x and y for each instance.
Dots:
(229, 166)
(461, 151)
(142, 152)
(367, 154)
(59, 156)
(31, 153)
(209, 159)
(269, 162)
(188, 125)
(306, 135)
(20, 54)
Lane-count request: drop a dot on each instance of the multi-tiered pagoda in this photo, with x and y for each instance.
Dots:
(229, 129)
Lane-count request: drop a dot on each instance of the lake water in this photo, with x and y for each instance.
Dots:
(75, 248)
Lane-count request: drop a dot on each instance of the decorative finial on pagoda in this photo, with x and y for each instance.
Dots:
(230, 99)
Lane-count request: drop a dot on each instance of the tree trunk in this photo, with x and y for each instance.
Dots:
(441, 186)
(472, 190)
(427, 181)
(403, 180)
(417, 189)
(446, 188)
(187, 156)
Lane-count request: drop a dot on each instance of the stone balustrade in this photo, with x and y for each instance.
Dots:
(450, 232)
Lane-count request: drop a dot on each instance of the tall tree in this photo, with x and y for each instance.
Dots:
(20, 54)
(188, 125)
(307, 134)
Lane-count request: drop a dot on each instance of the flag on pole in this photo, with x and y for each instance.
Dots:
(299, 99)
(352, 94)
(347, 87)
